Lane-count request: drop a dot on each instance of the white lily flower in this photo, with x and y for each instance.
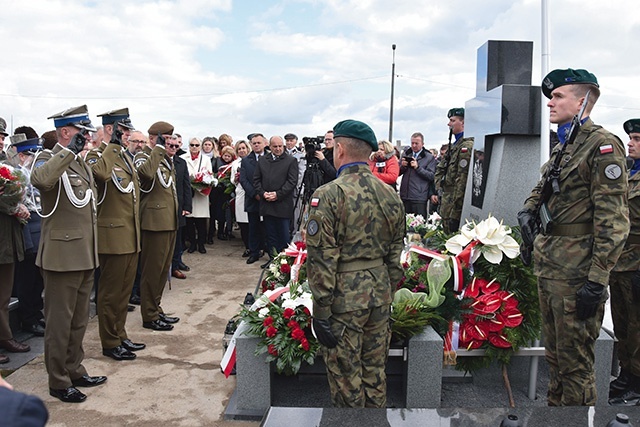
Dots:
(510, 247)
(490, 231)
(263, 312)
(492, 253)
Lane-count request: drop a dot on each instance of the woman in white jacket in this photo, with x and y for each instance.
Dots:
(242, 149)
(197, 163)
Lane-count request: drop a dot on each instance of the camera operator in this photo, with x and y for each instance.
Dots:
(326, 158)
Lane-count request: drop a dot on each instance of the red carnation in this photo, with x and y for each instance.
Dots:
(272, 350)
(267, 321)
(285, 269)
(293, 324)
(288, 312)
(271, 332)
(298, 334)
(306, 311)
(305, 344)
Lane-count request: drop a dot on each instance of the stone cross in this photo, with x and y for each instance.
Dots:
(504, 120)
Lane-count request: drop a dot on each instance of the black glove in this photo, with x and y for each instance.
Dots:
(525, 254)
(322, 328)
(635, 286)
(77, 143)
(116, 135)
(528, 226)
(454, 225)
(588, 298)
(161, 140)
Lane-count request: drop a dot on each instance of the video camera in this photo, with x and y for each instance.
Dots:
(312, 144)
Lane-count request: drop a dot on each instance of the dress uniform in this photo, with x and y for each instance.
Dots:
(118, 234)
(590, 223)
(354, 237)
(624, 286)
(159, 224)
(452, 172)
(68, 252)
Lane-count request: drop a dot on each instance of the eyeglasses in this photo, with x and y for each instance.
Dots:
(173, 145)
(194, 145)
(136, 141)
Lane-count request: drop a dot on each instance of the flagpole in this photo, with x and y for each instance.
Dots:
(393, 78)
(544, 68)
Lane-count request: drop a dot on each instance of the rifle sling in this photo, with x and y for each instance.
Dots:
(579, 229)
(633, 239)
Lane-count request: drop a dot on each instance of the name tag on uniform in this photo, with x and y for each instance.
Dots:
(380, 164)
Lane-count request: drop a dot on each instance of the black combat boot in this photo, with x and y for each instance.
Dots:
(618, 386)
(631, 396)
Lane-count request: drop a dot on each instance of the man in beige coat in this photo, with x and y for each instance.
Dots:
(118, 233)
(68, 252)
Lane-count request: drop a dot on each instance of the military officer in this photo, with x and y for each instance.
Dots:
(452, 172)
(118, 233)
(624, 285)
(3, 135)
(67, 253)
(589, 225)
(354, 238)
(159, 216)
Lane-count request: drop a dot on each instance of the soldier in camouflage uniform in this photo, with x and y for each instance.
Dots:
(354, 238)
(590, 226)
(624, 285)
(452, 172)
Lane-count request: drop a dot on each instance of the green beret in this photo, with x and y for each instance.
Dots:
(161, 128)
(558, 78)
(456, 112)
(632, 126)
(357, 130)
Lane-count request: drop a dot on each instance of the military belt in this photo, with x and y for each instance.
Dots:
(359, 264)
(633, 239)
(578, 229)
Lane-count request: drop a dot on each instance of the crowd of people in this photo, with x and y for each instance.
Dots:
(139, 200)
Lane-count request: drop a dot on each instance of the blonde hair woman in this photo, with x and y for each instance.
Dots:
(384, 163)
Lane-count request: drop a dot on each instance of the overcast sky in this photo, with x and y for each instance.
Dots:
(221, 66)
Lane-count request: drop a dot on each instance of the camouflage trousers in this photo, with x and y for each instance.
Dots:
(626, 321)
(355, 368)
(569, 343)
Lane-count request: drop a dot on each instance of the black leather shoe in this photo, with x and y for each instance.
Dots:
(252, 259)
(118, 353)
(87, 381)
(36, 329)
(130, 307)
(191, 249)
(135, 300)
(168, 319)
(210, 241)
(246, 253)
(133, 346)
(69, 395)
(157, 325)
(201, 249)
(184, 267)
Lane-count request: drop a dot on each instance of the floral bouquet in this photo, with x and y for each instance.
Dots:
(203, 181)
(287, 266)
(13, 186)
(419, 228)
(224, 179)
(282, 319)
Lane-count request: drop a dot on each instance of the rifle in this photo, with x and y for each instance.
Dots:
(543, 221)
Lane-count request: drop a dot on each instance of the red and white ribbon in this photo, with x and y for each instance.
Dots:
(229, 359)
(300, 256)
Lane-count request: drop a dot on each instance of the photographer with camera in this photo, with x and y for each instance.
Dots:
(418, 168)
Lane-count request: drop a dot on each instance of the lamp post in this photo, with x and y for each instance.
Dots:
(393, 78)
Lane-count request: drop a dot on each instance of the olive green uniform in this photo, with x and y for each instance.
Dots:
(355, 236)
(591, 225)
(67, 256)
(625, 311)
(159, 216)
(118, 237)
(451, 182)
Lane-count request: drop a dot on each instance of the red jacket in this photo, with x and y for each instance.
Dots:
(386, 170)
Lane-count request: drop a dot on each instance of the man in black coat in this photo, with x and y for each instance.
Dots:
(20, 409)
(275, 180)
(183, 190)
(251, 198)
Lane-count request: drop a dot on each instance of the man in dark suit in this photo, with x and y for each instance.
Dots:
(275, 179)
(252, 199)
(183, 189)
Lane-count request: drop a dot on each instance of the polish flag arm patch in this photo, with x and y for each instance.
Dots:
(314, 202)
(605, 149)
